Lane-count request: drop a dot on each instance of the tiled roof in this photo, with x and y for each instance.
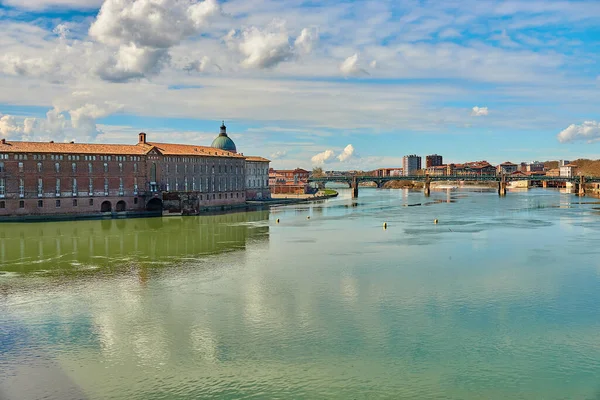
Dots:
(173, 149)
(506, 163)
(72, 148)
(259, 159)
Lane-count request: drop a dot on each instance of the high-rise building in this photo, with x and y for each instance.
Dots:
(411, 164)
(433, 160)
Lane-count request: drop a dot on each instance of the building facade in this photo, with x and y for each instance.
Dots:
(289, 181)
(411, 164)
(433, 160)
(47, 178)
(507, 168)
(257, 178)
(387, 172)
(568, 170)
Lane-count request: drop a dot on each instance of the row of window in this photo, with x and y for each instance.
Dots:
(198, 160)
(257, 182)
(57, 203)
(60, 157)
(221, 169)
(40, 167)
(217, 184)
(74, 187)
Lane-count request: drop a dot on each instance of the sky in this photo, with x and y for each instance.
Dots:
(338, 84)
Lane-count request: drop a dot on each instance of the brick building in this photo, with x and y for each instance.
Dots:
(289, 181)
(50, 178)
(433, 160)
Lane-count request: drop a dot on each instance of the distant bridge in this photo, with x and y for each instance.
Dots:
(354, 180)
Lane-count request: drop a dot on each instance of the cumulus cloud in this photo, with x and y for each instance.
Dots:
(346, 154)
(307, 39)
(351, 67)
(278, 154)
(81, 123)
(141, 32)
(589, 131)
(265, 48)
(323, 158)
(479, 111)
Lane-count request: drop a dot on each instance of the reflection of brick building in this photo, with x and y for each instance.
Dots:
(290, 181)
(76, 178)
(385, 172)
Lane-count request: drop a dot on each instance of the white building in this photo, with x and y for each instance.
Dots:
(257, 178)
(411, 164)
(568, 170)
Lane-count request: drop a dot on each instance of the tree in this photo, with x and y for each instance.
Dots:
(317, 172)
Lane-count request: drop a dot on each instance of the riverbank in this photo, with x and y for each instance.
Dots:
(284, 199)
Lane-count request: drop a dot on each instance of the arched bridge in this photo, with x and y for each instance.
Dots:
(354, 180)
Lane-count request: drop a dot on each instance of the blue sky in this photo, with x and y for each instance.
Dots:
(342, 84)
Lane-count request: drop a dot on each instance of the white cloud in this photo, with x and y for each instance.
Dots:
(265, 48)
(323, 158)
(373, 64)
(346, 154)
(141, 32)
(479, 111)
(278, 154)
(350, 66)
(449, 33)
(306, 40)
(589, 131)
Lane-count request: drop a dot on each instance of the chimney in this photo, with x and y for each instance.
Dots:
(3, 141)
(72, 142)
(142, 138)
(52, 141)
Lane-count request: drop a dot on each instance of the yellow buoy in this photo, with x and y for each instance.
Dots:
(435, 221)
(308, 217)
(277, 220)
(385, 225)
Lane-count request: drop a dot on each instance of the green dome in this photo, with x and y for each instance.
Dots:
(223, 141)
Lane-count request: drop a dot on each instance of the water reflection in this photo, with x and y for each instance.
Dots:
(80, 245)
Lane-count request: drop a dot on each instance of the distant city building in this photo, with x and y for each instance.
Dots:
(289, 181)
(562, 163)
(568, 170)
(523, 167)
(472, 168)
(383, 172)
(535, 166)
(507, 168)
(433, 160)
(411, 164)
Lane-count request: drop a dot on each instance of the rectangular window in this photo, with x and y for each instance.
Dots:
(120, 167)
(1, 167)
(74, 186)
(57, 191)
(40, 203)
(39, 167)
(57, 167)
(106, 186)
(90, 168)
(40, 187)
(105, 167)
(74, 202)
(74, 168)
(2, 204)
(91, 202)
(135, 185)
(135, 168)
(2, 187)
(57, 203)
(91, 187)
(21, 204)
(21, 187)
(121, 186)
(20, 167)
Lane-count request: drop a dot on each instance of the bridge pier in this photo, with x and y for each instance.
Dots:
(354, 186)
(545, 184)
(427, 186)
(581, 186)
(502, 186)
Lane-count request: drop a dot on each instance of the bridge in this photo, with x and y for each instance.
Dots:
(502, 180)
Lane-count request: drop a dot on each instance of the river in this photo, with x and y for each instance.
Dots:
(498, 300)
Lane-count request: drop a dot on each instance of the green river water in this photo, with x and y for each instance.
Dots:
(499, 300)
